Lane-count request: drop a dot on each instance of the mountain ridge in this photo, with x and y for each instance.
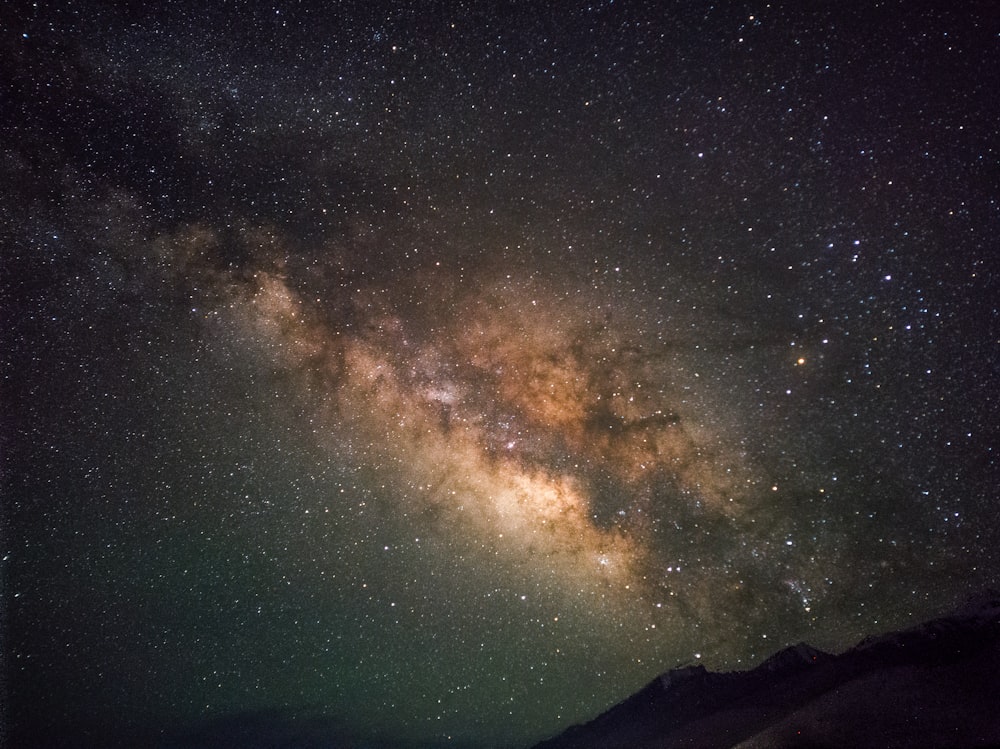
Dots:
(935, 684)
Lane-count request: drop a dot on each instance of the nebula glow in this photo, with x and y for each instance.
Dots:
(519, 412)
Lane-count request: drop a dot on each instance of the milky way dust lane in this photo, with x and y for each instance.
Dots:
(542, 420)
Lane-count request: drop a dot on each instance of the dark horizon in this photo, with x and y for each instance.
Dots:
(931, 685)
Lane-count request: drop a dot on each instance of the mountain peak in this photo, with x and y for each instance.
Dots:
(802, 654)
(671, 679)
(931, 685)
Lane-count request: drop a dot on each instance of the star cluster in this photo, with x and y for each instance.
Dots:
(440, 374)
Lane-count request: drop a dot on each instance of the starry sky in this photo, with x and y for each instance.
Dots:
(436, 374)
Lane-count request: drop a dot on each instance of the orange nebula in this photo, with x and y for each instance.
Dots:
(555, 439)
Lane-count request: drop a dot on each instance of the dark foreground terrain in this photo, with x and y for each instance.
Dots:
(935, 685)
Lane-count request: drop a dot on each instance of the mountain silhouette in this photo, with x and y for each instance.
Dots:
(933, 685)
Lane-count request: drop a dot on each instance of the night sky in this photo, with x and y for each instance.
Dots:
(405, 374)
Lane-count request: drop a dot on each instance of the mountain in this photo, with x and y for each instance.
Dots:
(934, 685)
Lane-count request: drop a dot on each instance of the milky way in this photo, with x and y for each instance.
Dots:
(520, 411)
(440, 376)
